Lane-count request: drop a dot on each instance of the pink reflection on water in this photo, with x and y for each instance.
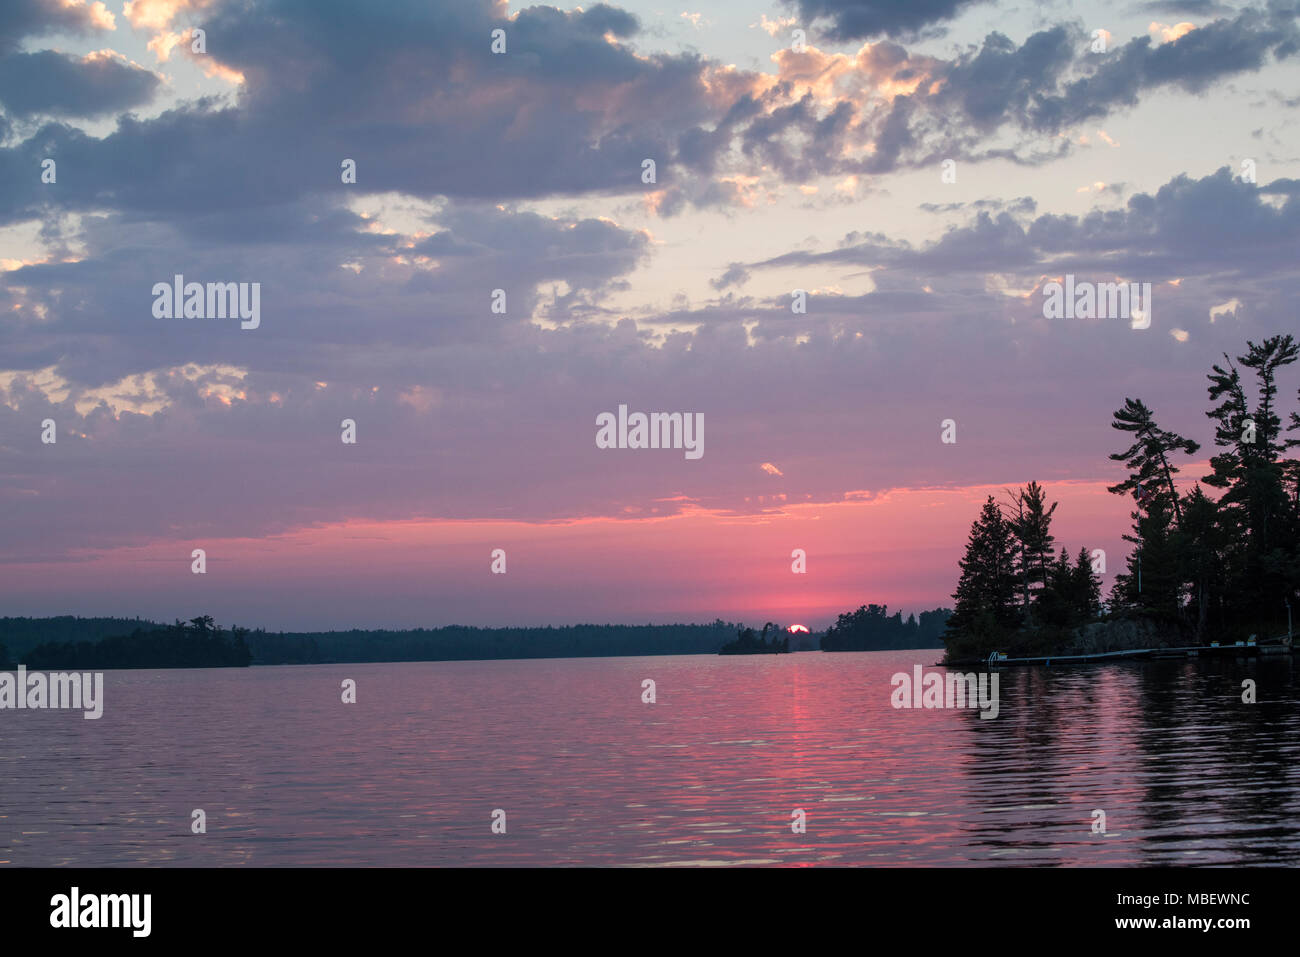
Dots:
(707, 776)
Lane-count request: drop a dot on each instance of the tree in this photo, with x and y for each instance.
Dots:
(1151, 584)
(1086, 590)
(985, 615)
(1032, 527)
(1147, 459)
(1291, 467)
(1256, 516)
(1072, 595)
(869, 628)
(1200, 546)
(1057, 606)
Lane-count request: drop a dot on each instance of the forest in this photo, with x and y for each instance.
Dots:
(82, 643)
(872, 628)
(198, 643)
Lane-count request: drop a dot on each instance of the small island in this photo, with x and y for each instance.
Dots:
(749, 643)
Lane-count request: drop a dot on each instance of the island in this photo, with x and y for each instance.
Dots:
(749, 643)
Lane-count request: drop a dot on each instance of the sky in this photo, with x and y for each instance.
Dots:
(920, 171)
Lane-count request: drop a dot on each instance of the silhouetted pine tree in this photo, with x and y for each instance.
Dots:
(1151, 475)
(1056, 603)
(1030, 518)
(1200, 545)
(1256, 516)
(1151, 584)
(986, 614)
(1086, 588)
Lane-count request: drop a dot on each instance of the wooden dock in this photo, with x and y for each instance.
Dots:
(1240, 649)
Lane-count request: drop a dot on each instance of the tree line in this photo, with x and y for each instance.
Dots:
(21, 635)
(67, 642)
(1220, 564)
(872, 628)
(198, 643)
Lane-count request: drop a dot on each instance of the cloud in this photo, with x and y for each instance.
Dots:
(447, 395)
(1202, 8)
(160, 14)
(1018, 205)
(58, 84)
(866, 19)
(428, 114)
(420, 109)
(408, 292)
(1214, 225)
(774, 27)
(21, 19)
(736, 275)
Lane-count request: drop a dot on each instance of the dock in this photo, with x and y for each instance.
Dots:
(1239, 649)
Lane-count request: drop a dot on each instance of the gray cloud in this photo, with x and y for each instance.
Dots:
(736, 275)
(56, 84)
(866, 19)
(1213, 225)
(417, 99)
(20, 19)
(1186, 8)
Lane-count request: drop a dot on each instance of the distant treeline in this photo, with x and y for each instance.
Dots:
(464, 643)
(21, 635)
(66, 642)
(198, 643)
(97, 643)
(872, 628)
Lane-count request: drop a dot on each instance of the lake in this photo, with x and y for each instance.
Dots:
(708, 775)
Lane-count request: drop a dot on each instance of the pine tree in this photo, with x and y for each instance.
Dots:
(1256, 517)
(1291, 467)
(1056, 601)
(1032, 527)
(1087, 588)
(985, 615)
(1150, 473)
(1152, 583)
(1201, 545)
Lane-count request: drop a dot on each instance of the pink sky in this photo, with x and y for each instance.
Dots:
(901, 547)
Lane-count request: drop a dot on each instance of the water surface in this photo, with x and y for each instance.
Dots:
(708, 775)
